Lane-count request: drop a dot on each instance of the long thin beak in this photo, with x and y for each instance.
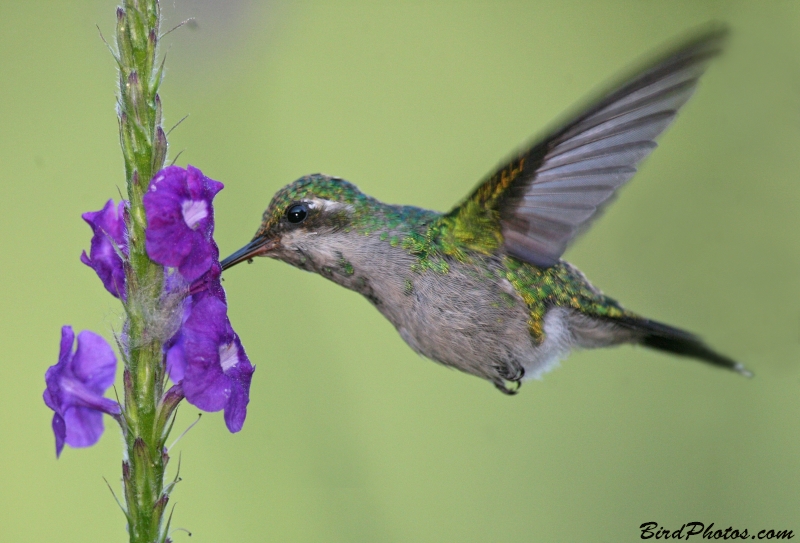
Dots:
(257, 247)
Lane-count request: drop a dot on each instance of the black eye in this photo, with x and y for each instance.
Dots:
(297, 213)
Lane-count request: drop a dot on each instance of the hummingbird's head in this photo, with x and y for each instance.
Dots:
(301, 217)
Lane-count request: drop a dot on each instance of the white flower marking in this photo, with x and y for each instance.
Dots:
(228, 356)
(194, 211)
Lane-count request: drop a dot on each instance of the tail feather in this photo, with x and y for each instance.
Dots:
(666, 338)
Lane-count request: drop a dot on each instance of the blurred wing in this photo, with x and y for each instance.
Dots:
(553, 191)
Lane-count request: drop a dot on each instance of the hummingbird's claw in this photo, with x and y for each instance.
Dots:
(509, 388)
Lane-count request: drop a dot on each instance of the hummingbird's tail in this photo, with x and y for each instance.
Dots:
(666, 338)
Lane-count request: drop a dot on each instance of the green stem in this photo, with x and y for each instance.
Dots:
(144, 147)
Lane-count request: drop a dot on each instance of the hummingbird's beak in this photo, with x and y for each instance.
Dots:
(257, 247)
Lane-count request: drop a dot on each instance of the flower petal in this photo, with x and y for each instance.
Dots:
(201, 186)
(53, 394)
(60, 431)
(240, 375)
(74, 393)
(67, 340)
(210, 283)
(180, 220)
(108, 244)
(84, 426)
(75, 388)
(206, 388)
(236, 409)
(94, 363)
(176, 359)
(207, 328)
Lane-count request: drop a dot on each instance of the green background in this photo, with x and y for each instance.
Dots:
(350, 436)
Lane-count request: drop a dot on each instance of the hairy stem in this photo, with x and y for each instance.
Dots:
(144, 148)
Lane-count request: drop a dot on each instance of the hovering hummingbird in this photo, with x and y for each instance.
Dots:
(482, 288)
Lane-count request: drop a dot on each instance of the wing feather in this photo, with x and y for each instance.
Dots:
(553, 191)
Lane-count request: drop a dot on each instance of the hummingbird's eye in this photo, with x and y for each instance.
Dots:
(297, 213)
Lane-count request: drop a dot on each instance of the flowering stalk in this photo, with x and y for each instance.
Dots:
(156, 253)
(144, 148)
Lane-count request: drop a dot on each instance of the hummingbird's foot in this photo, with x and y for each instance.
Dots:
(509, 388)
(511, 373)
(510, 379)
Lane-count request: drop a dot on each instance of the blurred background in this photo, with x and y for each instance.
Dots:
(351, 436)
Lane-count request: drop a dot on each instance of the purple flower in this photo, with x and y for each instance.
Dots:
(180, 220)
(205, 356)
(208, 285)
(208, 357)
(108, 243)
(75, 388)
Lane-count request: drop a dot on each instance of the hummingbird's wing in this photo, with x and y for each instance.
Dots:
(552, 191)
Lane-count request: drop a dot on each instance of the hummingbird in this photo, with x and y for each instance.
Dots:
(482, 288)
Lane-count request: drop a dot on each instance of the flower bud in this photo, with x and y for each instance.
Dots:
(136, 98)
(143, 471)
(168, 405)
(152, 42)
(158, 111)
(159, 149)
(130, 403)
(124, 44)
(158, 511)
(125, 140)
(130, 491)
